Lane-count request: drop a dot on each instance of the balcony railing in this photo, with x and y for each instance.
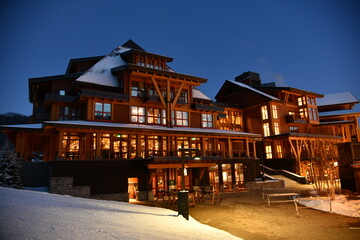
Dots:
(295, 118)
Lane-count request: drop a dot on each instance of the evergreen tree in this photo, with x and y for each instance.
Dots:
(9, 170)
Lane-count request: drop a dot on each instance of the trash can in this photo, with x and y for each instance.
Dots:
(183, 204)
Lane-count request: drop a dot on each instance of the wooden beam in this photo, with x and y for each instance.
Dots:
(158, 91)
(177, 95)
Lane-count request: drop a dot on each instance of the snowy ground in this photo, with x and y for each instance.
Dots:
(340, 205)
(38, 215)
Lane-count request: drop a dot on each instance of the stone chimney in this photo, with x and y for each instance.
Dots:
(249, 78)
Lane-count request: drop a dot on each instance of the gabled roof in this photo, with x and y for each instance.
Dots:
(337, 99)
(247, 87)
(199, 94)
(101, 73)
(131, 44)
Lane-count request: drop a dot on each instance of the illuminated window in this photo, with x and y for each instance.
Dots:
(62, 92)
(268, 151)
(138, 114)
(276, 128)
(102, 111)
(266, 129)
(275, 111)
(301, 101)
(207, 120)
(264, 113)
(303, 113)
(279, 151)
(156, 116)
(236, 118)
(180, 118)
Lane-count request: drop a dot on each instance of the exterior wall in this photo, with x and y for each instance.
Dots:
(103, 178)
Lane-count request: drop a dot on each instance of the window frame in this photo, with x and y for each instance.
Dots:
(102, 112)
(207, 120)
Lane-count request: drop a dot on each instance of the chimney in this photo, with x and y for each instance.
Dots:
(249, 78)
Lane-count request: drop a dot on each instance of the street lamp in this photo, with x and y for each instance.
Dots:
(183, 197)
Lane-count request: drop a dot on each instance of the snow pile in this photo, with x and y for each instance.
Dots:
(38, 215)
(340, 205)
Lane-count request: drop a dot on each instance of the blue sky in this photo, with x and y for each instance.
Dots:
(310, 45)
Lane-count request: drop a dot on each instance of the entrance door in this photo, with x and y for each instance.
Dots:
(158, 183)
(132, 187)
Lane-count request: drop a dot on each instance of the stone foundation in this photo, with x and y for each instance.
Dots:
(64, 186)
(121, 197)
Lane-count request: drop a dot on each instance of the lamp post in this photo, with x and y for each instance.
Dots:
(183, 197)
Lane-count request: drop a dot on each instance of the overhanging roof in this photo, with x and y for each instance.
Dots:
(150, 128)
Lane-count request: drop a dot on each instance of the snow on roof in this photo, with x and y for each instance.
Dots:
(254, 90)
(100, 73)
(150, 127)
(337, 98)
(339, 112)
(24, 126)
(199, 94)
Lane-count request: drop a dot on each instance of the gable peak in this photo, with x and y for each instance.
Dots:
(131, 44)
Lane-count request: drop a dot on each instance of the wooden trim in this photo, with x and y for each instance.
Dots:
(177, 95)
(158, 91)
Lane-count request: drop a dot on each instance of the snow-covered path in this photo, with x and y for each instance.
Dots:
(38, 215)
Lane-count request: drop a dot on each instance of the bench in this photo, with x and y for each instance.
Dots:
(292, 197)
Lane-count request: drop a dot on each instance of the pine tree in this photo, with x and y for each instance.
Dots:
(9, 170)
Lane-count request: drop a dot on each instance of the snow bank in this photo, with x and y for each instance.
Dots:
(39, 215)
(340, 205)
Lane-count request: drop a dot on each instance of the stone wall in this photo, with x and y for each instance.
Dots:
(64, 186)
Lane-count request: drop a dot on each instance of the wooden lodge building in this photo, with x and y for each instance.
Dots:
(295, 129)
(114, 124)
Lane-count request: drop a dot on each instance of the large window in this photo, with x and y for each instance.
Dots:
(180, 118)
(266, 129)
(207, 120)
(276, 128)
(264, 113)
(313, 114)
(268, 151)
(156, 116)
(275, 111)
(102, 111)
(236, 118)
(138, 114)
(279, 150)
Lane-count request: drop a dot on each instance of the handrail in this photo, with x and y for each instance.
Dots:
(285, 173)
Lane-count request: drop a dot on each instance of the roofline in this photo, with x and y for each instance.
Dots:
(238, 84)
(164, 73)
(74, 60)
(54, 77)
(149, 128)
(293, 90)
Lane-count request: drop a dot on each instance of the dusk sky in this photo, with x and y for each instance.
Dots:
(309, 45)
